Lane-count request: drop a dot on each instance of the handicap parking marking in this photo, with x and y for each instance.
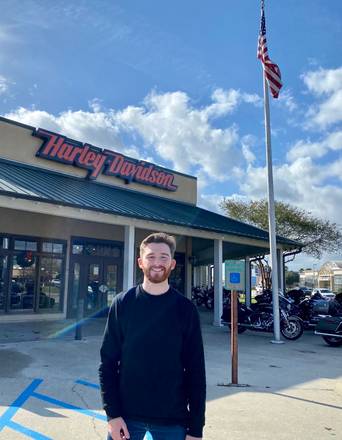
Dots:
(6, 418)
(28, 432)
(30, 391)
(69, 406)
(87, 384)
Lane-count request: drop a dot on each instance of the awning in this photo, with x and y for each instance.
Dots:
(33, 183)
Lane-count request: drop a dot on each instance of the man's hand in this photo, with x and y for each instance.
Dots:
(190, 437)
(117, 428)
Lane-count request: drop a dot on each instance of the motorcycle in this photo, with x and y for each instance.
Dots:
(330, 328)
(198, 295)
(311, 309)
(260, 318)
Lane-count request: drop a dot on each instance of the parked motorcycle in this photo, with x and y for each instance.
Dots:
(330, 328)
(260, 318)
(311, 309)
(198, 295)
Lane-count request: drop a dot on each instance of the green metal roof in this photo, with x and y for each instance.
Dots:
(28, 182)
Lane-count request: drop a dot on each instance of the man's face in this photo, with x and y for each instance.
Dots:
(156, 262)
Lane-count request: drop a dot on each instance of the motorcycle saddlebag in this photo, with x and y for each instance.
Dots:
(330, 324)
(321, 306)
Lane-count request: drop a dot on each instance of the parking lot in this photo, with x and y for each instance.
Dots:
(49, 385)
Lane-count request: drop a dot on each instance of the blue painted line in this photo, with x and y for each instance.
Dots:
(5, 419)
(56, 402)
(87, 384)
(33, 434)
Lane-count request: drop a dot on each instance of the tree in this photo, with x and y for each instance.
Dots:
(291, 278)
(315, 234)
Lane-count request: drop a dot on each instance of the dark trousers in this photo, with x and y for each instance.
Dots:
(137, 431)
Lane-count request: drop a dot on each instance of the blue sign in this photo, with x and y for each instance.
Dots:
(234, 277)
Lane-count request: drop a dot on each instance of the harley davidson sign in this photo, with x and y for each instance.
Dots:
(97, 161)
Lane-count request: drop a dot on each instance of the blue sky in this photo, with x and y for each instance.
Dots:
(178, 83)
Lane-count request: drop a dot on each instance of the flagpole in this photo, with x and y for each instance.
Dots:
(271, 217)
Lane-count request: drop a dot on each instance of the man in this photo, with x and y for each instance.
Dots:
(152, 372)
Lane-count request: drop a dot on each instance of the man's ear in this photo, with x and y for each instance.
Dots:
(140, 262)
(173, 263)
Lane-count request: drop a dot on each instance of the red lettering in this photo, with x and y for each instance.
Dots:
(154, 176)
(75, 151)
(65, 151)
(98, 165)
(116, 164)
(89, 158)
(82, 156)
(53, 145)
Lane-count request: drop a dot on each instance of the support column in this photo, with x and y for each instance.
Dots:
(281, 270)
(210, 278)
(218, 294)
(188, 267)
(248, 283)
(129, 265)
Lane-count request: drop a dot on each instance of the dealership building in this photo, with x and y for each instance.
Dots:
(72, 216)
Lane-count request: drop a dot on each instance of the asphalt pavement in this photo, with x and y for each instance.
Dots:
(49, 384)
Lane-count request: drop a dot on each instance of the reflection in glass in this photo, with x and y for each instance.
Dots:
(92, 298)
(96, 249)
(22, 283)
(75, 285)
(3, 272)
(20, 245)
(50, 284)
(111, 282)
(4, 242)
(77, 249)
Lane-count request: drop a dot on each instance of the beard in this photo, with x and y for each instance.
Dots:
(157, 277)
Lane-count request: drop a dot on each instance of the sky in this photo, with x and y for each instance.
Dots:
(179, 84)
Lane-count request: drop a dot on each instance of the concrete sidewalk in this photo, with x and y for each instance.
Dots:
(294, 392)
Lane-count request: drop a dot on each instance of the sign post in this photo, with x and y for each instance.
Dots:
(234, 336)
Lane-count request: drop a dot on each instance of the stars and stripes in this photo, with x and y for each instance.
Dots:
(272, 71)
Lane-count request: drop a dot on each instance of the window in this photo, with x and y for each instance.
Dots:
(4, 242)
(20, 245)
(96, 249)
(55, 248)
(50, 288)
(31, 274)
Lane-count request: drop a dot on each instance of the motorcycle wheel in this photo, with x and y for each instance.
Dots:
(199, 301)
(294, 330)
(332, 341)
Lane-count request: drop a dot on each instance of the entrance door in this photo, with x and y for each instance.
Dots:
(96, 280)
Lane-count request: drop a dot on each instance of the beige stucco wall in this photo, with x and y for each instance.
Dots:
(18, 144)
(39, 225)
(13, 221)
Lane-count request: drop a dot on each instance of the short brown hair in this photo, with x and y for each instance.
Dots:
(159, 237)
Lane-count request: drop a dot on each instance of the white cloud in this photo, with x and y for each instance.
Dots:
(184, 135)
(167, 127)
(318, 149)
(210, 202)
(301, 183)
(286, 99)
(327, 85)
(4, 84)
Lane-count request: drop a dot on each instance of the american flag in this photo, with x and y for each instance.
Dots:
(272, 71)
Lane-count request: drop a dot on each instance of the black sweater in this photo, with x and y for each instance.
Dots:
(152, 362)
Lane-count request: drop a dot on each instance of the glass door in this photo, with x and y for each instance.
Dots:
(23, 282)
(96, 281)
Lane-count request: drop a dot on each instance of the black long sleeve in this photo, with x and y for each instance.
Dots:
(152, 363)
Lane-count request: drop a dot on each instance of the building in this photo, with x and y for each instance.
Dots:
(72, 216)
(329, 276)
